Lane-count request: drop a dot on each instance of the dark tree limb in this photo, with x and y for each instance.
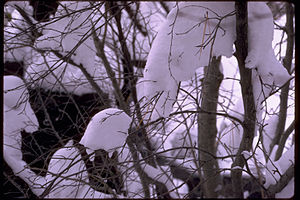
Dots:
(287, 63)
(283, 181)
(129, 87)
(283, 140)
(134, 18)
(247, 93)
(207, 127)
(164, 6)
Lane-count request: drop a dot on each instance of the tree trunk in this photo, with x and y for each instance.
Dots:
(207, 128)
(247, 93)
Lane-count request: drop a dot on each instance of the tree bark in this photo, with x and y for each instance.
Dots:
(207, 127)
(247, 93)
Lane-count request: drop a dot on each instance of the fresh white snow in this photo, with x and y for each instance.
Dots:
(69, 33)
(17, 38)
(261, 54)
(18, 116)
(69, 173)
(107, 130)
(177, 52)
(175, 55)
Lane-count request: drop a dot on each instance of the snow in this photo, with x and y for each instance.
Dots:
(69, 174)
(261, 53)
(17, 38)
(182, 138)
(231, 133)
(269, 131)
(68, 171)
(280, 166)
(132, 182)
(174, 49)
(256, 162)
(236, 167)
(65, 33)
(182, 55)
(287, 159)
(288, 191)
(14, 90)
(273, 170)
(18, 116)
(61, 76)
(174, 55)
(267, 70)
(64, 164)
(177, 52)
(246, 154)
(107, 130)
(161, 174)
(229, 140)
(181, 187)
(36, 183)
(70, 36)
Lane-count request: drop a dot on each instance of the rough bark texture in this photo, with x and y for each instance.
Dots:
(247, 93)
(207, 127)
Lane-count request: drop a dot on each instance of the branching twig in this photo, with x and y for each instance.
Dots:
(283, 181)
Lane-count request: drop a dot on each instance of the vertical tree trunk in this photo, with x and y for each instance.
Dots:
(247, 93)
(207, 128)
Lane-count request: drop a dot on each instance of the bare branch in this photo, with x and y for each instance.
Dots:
(283, 181)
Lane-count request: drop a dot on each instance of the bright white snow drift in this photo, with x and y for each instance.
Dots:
(107, 130)
(18, 116)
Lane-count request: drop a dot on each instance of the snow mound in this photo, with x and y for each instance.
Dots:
(68, 171)
(107, 130)
(260, 36)
(269, 131)
(66, 162)
(18, 116)
(14, 91)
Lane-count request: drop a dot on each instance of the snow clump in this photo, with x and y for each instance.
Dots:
(186, 41)
(107, 130)
(18, 116)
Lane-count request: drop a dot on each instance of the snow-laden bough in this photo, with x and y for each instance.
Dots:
(108, 130)
(194, 32)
